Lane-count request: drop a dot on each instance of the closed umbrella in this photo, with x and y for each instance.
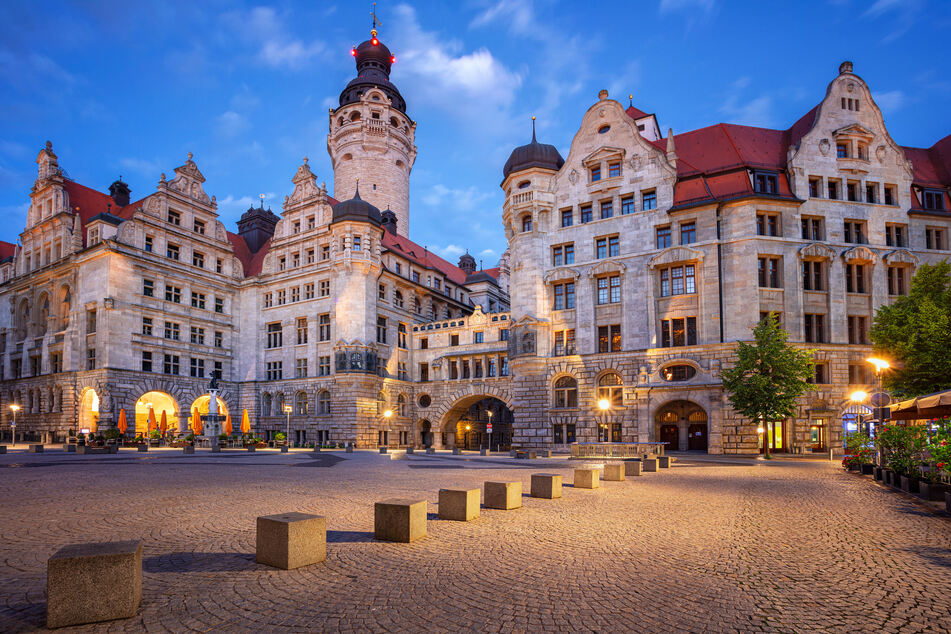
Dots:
(227, 429)
(152, 426)
(163, 426)
(122, 425)
(245, 423)
(196, 422)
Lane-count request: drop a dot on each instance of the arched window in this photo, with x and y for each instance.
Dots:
(394, 122)
(417, 306)
(266, 404)
(380, 403)
(401, 405)
(65, 301)
(610, 387)
(323, 402)
(300, 404)
(279, 404)
(355, 116)
(679, 372)
(566, 392)
(526, 223)
(398, 299)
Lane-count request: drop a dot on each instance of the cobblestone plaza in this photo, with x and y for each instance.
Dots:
(712, 544)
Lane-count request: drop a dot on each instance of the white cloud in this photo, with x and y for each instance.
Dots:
(242, 203)
(902, 15)
(264, 28)
(519, 16)
(891, 101)
(488, 253)
(143, 167)
(460, 200)
(231, 124)
(450, 252)
(746, 111)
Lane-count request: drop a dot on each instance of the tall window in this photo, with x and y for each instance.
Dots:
(663, 237)
(300, 403)
(614, 170)
(855, 232)
(172, 251)
(595, 173)
(609, 289)
(812, 277)
(564, 296)
(814, 328)
(173, 331)
(812, 228)
(649, 200)
(607, 247)
(607, 209)
(609, 338)
(768, 224)
(677, 280)
(896, 280)
(563, 254)
(567, 216)
(564, 342)
(197, 368)
(171, 364)
(401, 335)
(768, 272)
(833, 190)
(323, 327)
(301, 331)
(895, 235)
(585, 214)
(627, 205)
(565, 392)
(323, 402)
(854, 278)
(526, 223)
(275, 335)
(936, 238)
(323, 365)
(688, 233)
(381, 329)
(148, 288)
(857, 330)
(681, 331)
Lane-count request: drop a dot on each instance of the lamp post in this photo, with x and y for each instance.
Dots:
(387, 415)
(489, 412)
(858, 397)
(13, 424)
(604, 405)
(468, 427)
(880, 366)
(287, 434)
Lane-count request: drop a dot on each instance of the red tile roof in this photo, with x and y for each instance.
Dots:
(634, 113)
(423, 257)
(7, 250)
(251, 262)
(88, 202)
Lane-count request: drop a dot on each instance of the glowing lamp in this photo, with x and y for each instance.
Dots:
(288, 409)
(858, 396)
(392, 59)
(15, 407)
(880, 364)
(353, 51)
(604, 404)
(387, 413)
(374, 41)
(760, 430)
(468, 427)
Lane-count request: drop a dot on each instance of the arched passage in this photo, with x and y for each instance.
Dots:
(202, 403)
(88, 411)
(465, 423)
(158, 402)
(682, 425)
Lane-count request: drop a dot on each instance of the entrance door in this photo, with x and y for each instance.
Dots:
(774, 439)
(697, 437)
(817, 435)
(670, 435)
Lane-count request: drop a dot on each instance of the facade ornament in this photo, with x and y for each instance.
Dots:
(824, 146)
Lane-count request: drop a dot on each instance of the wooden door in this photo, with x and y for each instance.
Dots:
(670, 435)
(697, 437)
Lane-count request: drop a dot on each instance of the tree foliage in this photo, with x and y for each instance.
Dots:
(915, 334)
(770, 375)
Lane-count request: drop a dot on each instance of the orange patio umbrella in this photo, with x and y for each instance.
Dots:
(163, 426)
(196, 422)
(152, 425)
(122, 425)
(245, 423)
(227, 428)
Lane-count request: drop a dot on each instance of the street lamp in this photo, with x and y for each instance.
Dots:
(880, 366)
(13, 425)
(468, 427)
(287, 436)
(489, 412)
(858, 397)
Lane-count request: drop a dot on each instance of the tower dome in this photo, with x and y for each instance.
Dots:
(467, 263)
(533, 154)
(356, 209)
(374, 61)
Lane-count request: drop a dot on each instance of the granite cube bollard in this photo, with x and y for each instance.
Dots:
(430, 450)
(188, 450)
(587, 479)
(383, 450)
(69, 447)
(456, 451)
(650, 464)
(513, 453)
(545, 453)
(36, 449)
(614, 472)
(284, 449)
(399, 520)
(349, 448)
(291, 540)
(483, 451)
(316, 448)
(3, 449)
(503, 495)
(632, 467)
(215, 448)
(461, 505)
(142, 448)
(251, 448)
(663, 462)
(90, 583)
(546, 485)
(409, 450)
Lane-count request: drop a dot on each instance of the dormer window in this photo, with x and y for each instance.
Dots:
(863, 151)
(933, 199)
(524, 184)
(93, 237)
(614, 170)
(842, 150)
(595, 174)
(765, 183)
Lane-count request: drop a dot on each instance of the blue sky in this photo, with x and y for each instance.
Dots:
(130, 87)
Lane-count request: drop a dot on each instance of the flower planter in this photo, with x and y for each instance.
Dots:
(932, 491)
(867, 469)
(909, 484)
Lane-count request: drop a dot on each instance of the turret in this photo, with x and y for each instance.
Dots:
(256, 226)
(371, 138)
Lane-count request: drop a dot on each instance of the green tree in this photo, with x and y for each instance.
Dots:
(915, 334)
(769, 376)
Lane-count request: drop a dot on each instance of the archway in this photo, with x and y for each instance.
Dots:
(465, 425)
(426, 438)
(158, 402)
(88, 411)
(682, 425)
(202, 403)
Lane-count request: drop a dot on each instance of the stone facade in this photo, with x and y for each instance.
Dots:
(371, 339)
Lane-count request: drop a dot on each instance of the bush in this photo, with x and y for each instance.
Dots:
(902, 447)
(940, 446)
(112, 434)
(279, 436)
(859, 449)
(155, 434)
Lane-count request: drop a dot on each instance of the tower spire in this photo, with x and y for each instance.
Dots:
(375, 21)
(533, 129)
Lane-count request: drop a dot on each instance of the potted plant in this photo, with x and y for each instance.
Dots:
(901, 446)
(931, 486)
(859, 452)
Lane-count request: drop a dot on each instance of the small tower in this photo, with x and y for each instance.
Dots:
(467, 263)
(256, 226)
(371, 138)
(120, 192)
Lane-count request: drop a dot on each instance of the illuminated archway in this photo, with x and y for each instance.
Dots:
(89, 411)
(158, 402)
(202, 403)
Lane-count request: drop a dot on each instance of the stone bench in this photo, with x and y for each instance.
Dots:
(291, 540)
(649, 464)
(430, 450)
(69, 447)
(546, 485)
(503, 495)
(89, 583)
(663, 462)
(632, 467)
(614, 472)
(188, 450)
(36, 448)
(461, 505)
(399, 520)
(86, 449)
(456, 451)
(142, 448)
(587, 479)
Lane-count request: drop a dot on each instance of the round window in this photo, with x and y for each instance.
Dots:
(424, 400)
(603, 129)
(678, 372)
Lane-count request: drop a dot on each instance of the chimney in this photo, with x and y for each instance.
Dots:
(388, 220)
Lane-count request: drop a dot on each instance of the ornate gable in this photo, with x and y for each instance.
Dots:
(603, 268)
(901, 256)
(561, 274)
(859, 254)
(674, 255)
(188, 182)
(305, 184)
(816, 250)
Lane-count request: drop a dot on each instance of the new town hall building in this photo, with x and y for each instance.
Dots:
(633, 267)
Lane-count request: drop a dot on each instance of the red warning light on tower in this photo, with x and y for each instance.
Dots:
(353, 51)
(392, 59)
(374, 41)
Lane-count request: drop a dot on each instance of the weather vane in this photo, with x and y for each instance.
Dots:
(376, 21)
